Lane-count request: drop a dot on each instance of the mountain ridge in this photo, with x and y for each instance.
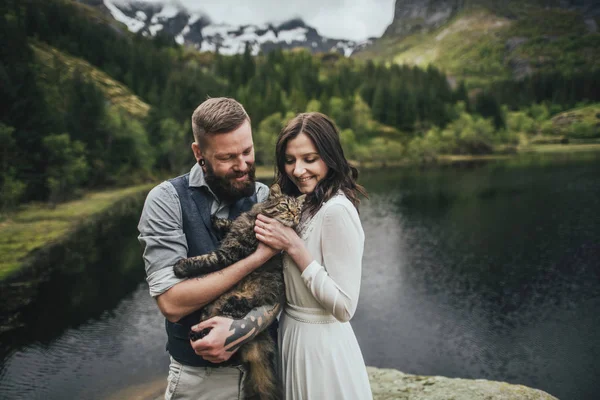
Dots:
(196, 30)
(421, 16)
(480, 41)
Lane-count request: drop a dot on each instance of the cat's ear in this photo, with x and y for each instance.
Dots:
(301, 199)
(274, 190)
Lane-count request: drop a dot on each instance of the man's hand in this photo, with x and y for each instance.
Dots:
(265, 253)
(227, 335)
(222, 341)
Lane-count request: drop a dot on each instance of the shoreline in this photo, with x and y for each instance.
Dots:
(391, 384)
(36, 226)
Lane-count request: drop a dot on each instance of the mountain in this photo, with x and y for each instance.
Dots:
(195, 29)
(420, 16)
(483, 40)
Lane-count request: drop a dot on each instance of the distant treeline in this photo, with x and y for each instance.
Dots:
(57, 136)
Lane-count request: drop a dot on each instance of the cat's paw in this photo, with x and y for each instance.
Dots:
(221, 225)
(181, 269)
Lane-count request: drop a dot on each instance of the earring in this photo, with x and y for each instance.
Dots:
(202, 162)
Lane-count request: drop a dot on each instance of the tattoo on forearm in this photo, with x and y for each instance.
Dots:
(246, 328)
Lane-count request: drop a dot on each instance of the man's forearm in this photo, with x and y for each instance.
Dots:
(193, 294)
(243, 330)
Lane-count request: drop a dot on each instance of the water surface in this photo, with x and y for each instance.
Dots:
(489, 271)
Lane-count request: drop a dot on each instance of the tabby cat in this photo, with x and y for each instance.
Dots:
(263, 286)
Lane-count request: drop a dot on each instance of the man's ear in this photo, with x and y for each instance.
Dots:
(197, 152)
(274, 190)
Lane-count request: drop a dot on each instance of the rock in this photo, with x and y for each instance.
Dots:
(520, 67)
(391, 384)
(591, 25)
(388, 384)
(514, 42)
(413, 16)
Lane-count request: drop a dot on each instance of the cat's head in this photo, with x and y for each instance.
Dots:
(286, 209)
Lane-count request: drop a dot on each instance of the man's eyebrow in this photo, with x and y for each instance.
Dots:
(233, 154)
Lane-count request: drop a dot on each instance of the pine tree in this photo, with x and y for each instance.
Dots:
(487, 106)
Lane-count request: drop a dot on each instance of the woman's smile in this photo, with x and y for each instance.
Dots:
(303, 163)
(305, 179)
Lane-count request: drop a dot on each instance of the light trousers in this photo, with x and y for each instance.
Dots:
(204, 383)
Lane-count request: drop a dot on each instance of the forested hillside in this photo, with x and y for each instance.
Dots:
(481, 41)
(86, 104)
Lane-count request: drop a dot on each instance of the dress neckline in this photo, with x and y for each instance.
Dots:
(307, 226)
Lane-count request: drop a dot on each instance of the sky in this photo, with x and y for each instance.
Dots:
(340, 19)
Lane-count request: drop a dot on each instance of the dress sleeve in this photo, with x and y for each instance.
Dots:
(336, 283)
(162, 237)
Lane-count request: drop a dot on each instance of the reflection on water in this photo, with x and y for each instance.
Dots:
(488, 272)
(90, 361)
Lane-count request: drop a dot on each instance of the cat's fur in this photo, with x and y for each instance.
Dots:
(264, 286)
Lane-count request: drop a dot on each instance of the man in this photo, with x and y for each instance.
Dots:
(175, 224)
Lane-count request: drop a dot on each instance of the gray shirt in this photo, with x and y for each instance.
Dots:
(161, 229)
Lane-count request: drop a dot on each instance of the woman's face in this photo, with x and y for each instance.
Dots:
(303, 164)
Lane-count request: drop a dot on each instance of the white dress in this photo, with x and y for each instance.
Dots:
(319, 355)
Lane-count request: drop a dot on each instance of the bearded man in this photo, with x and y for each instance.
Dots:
(175, 224)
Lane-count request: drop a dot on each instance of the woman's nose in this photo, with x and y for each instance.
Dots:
(298, 170)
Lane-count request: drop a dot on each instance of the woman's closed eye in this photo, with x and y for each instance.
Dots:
(306, 160)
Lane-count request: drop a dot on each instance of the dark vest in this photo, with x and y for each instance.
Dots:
(201, 239)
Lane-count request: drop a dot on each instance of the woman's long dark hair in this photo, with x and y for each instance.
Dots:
(326, 138)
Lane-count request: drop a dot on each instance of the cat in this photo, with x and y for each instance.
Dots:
(263, 286)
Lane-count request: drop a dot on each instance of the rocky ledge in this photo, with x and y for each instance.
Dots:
(388, 384)
(391, 384)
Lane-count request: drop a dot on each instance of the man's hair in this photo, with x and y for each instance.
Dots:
(217, 115)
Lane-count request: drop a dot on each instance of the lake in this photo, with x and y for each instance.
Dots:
(487, 270)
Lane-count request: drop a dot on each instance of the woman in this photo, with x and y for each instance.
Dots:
(319, 355)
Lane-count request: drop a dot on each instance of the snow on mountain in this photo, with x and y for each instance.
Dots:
(195, 30)
(133, 24)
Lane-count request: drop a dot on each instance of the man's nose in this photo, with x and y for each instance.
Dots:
(241, 164)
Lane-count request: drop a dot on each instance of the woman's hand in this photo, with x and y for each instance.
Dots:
(274, 234)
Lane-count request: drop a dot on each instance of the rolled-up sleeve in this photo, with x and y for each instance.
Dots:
(162, 237)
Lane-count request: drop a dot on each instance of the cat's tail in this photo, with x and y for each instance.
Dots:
(261, 381)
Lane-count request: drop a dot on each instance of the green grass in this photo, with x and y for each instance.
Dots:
(265, 173)
(37, 225)
(588, 115)
(561, 148)
(56, 66)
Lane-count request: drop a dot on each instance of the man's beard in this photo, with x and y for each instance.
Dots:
(225, 188)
